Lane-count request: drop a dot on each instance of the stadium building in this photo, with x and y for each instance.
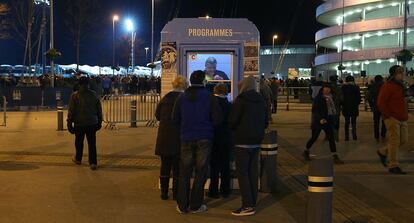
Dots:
(372, 34)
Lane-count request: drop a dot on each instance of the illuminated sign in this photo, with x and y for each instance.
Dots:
(210, 32)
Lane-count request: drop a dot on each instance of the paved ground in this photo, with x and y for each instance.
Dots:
(38, 183)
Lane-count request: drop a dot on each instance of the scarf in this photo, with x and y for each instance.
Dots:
(330, 104)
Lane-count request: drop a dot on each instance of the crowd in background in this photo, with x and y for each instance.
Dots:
(101, 84)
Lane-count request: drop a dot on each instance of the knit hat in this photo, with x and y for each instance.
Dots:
(247, 84)
(197, 77)
(221, 89)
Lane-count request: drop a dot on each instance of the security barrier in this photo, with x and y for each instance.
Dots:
(125, 109)
(35, 96)
(4, 109)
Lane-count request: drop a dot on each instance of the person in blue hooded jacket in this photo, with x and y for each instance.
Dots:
(197, 112)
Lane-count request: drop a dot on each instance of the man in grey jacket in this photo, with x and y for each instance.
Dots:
(84, 119)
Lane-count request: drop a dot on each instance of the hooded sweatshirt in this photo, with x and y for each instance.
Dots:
(197, 112)
(249, 119)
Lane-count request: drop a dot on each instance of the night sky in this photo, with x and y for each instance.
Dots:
(270, 16)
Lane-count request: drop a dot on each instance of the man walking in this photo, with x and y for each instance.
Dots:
(84, 118)
(197, 112)
(274, 86)
(373, 92)
(394, 110)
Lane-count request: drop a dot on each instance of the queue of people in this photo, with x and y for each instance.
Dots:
(211, 132)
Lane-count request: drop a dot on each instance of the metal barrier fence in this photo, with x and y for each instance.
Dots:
(35, 96)
(4, 109)
(124, 109)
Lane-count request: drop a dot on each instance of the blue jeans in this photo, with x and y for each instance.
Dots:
(194, 155)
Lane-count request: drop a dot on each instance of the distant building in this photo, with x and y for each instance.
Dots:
(373, 33)
(296, 60)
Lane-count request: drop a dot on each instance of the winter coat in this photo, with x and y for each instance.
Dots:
(274, 86)
(320, 111)
(351, 100)
(222, 133)
(391, 101)
(197, 112)
(168, 138)
(249, 119)
(373, 92)
(84, 108)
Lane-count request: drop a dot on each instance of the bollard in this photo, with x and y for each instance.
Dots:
(133, 113)
(320, 189)
(268, 163)
(60, 116)
(59, 107)
(17, 97)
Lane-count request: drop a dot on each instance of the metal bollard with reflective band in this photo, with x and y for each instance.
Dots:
(60, 116)
(59, 106)
(320, 191)
(133, 113)
(268, 163)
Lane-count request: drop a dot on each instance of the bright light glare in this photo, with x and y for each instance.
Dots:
(129, 25)
(275, 37)
(115, 17)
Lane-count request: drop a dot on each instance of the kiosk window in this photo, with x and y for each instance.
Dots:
(218, 67)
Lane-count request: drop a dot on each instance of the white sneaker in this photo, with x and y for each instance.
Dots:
(179, 210)
(203, 208)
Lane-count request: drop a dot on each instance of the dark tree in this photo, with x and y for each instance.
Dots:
(25, 26)
(81, 18)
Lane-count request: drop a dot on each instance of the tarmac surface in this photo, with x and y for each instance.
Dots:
(38, 182)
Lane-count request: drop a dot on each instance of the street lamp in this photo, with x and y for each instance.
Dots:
(152, 31)
(273, 52)
(115, 18)
(146, 53)
(131, 28)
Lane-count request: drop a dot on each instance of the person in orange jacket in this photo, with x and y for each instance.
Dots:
(394, 109)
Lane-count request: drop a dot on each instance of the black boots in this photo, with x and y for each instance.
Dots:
(164, 181)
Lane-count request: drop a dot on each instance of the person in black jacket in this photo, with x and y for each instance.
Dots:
(248, 122)
(323, 115)
(84, 118)
(168, 139)
(350, 106)
(221, 152)
(373, 92)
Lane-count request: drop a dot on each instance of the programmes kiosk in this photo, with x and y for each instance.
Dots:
(227, 49)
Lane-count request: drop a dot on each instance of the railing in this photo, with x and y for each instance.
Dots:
(4, 108)
(124, 109)
(35, 96)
